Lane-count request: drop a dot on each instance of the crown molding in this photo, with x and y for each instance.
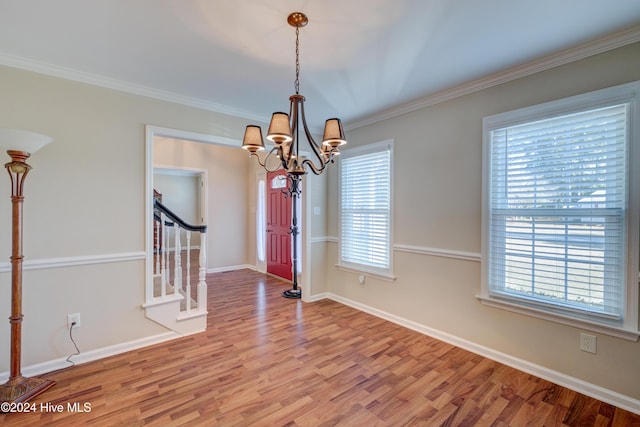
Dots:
(604, 44)
(613, 41)
(40, 67)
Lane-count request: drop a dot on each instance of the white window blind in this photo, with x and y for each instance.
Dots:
(365, 214)
(557, 211)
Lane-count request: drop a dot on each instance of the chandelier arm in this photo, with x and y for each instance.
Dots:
(293, 114)
(258, 159)
(314, 146)
(316, 170)
(323, 162)
(266, 159)
(293, 124)
(279, 150)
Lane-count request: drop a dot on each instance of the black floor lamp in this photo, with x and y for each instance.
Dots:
(19, 145)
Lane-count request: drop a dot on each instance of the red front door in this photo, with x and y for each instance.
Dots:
(278, 224)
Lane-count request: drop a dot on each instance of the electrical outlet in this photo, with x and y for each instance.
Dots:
(361, 280)
(73, 318)
(588, 343)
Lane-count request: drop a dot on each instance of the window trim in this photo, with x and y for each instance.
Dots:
(385, 274)
(627, 327)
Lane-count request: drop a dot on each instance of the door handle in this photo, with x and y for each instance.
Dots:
(269, 231)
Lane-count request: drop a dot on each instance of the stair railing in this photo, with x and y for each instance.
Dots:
(167, 223)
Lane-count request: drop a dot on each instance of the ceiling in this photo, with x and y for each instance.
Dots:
(358, 58)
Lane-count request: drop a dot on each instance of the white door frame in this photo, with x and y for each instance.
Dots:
(304, 219)
(150, 133)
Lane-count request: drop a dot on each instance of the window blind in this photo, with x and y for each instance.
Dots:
(558, 194)
(366, 208)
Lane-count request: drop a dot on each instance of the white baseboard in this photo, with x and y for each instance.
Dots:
(318, 297)
(231, 268)
(89, 356)
(592, 390)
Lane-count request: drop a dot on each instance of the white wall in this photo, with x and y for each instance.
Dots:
(85, 209)
(437, 184)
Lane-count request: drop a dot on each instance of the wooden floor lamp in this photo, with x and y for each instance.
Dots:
(19, 145)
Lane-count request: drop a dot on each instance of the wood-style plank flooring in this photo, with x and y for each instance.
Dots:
(269, 361)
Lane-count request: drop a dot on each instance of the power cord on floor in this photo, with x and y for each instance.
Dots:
(74, 344)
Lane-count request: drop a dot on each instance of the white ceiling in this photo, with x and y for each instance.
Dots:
(359, 58)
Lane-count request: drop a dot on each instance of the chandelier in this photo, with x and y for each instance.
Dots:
(284, 133)
(284, 129)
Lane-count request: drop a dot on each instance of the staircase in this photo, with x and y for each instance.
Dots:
(177, 298)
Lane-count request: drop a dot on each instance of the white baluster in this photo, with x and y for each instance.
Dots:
(177, 270)
(165, 261)
(188, 275)
(158, 242)
(202, 273)
(168, 251)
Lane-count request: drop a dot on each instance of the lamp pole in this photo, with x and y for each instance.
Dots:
(18, 170)
(293, 191)
(18, 388)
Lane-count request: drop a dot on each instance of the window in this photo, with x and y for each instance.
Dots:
(365, 207)
(261, 221)
(559, 230)
(279, 181)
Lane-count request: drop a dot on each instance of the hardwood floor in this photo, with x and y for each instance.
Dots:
(269, 361)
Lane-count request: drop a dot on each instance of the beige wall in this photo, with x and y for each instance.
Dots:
(315, 199)
(228, 178)
(437, 185)
(85, 197)
(181, 194)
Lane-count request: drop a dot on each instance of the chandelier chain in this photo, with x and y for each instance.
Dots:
(297, 82)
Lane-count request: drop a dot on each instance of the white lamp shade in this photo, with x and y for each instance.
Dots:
(22, 140)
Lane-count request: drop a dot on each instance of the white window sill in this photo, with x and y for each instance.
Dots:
(385, 276)
(611, 330)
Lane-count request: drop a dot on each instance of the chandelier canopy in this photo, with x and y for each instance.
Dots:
(284, 129)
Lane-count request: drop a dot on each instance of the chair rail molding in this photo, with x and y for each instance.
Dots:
(74, 261)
